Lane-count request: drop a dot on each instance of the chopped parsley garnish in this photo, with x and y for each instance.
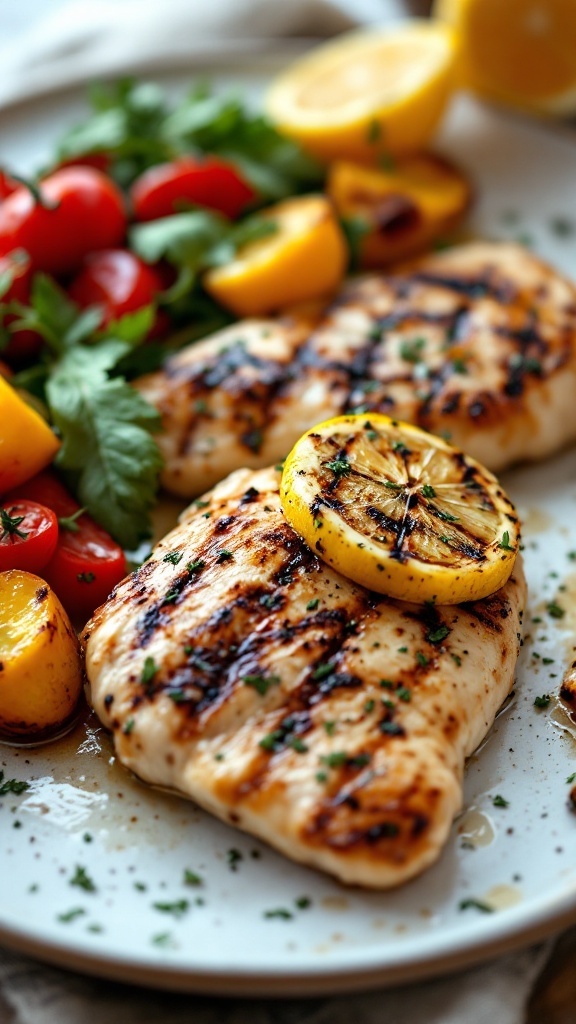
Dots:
(317, 524)
(402, 650)
(177, 908)
(195, 566)
(499, 801)
(435, 636)
(178, 696)
(173, 557)
(224, 556)
(16, 786)
(457, 659)
(393, 486)
(128, 726)
(392, 728)
(149, 671)
(571, 779)
(171, 597)
(162, 939)
(303, 902)
(555, 610)
(313, 604)
(340, 466)
(298, 745)
(198, 503)
(505, 542)
(280, 913)
(369, 706)
(260, 683)
(71, 915)
(191, 878)
(322, 671)
(330, 727)
(85, 577)
(321, 777)
(234, 856)
(446, 517)
(387, 684)
(82, 879)
(410, 350)
(404, 694)
(428, 491)
(543, 701)
(476, 905)
(336, 759)
(421, 659)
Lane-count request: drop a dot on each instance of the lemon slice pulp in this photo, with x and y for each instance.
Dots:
(400, 511)
(368, 91)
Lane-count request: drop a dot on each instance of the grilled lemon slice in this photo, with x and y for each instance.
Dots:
(400, 511)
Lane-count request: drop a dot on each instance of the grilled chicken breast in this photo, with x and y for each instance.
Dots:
(240, 670)
(477, 343)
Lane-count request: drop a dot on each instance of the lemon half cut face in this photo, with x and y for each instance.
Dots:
(400, 511)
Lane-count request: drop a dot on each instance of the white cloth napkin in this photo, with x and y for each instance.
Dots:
(83, 40)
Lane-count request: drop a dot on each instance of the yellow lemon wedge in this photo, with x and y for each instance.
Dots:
(520, 52)
(303, 258)
(369, 92)
(400, 511)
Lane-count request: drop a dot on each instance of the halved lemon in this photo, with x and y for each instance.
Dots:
(521, 52)
(400, 511)
(369, 92)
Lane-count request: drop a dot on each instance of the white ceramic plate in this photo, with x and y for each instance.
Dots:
(258, 924)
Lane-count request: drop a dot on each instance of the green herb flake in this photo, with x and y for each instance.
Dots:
(313, 604)
(191, 878)
(543, 701)
(321, 777)
(128, 726)
(435, 636)
(323, 671)
(85, 577)
(318, 524)
(421, 659)
(279, 913)
(472, 903)
(391, 729)
(555, 610)
(149, 671)
(303, 902)
(233, 857)
(298, 745)
(195, 566)
(340, 466)
(428, 491)
(71, 915)
(15, 786)
(173, 557)
(336, 759)
(162, 940)
(505, 542)
(177, 907)
(499, 801)
(456, 659)
(330, 727)
(369, 706)
(82, 880)
(404, 694)
(411, 350)
(260, 683)
(571, 779)
(224, 556)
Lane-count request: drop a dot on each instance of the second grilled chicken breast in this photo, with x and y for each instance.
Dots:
(240, 670)
(477, 343)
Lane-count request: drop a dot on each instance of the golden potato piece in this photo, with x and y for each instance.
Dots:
(40, 663)
(402, 210)
(27, 444)
(303, 259)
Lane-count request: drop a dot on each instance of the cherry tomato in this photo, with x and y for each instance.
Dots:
(28, 536)
(81, 210)
(7, 185)
(23, 345)
(101, 161)
(210, 182)
(116, 280)
(87, 563)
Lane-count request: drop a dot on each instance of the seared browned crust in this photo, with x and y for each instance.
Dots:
(477, 343)
(237, 668)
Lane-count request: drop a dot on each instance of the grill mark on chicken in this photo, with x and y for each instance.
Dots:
(329, 720)
(478, 342)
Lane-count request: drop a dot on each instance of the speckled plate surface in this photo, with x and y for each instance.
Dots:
(103, 874)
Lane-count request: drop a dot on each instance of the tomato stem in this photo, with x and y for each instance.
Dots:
(10, 525)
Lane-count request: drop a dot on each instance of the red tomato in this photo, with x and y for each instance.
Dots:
(209, 182)
(101, 161)
(23, 345)
(82, 210)
(7, 185)
(28, 536)
(116, 280)
(87, 563)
